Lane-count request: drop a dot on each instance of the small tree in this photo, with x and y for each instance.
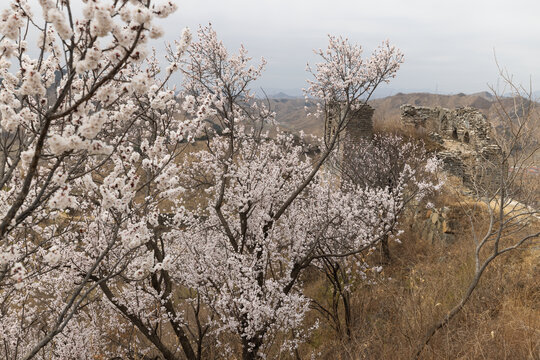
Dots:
(401, 166)
(406, 173)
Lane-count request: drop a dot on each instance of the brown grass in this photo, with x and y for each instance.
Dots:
(501, 321)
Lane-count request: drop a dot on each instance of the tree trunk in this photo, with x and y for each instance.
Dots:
(347, 311)
(385, 250)
(251, 352)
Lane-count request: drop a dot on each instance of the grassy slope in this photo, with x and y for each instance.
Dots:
(501, 321)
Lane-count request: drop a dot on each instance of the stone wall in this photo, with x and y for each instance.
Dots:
(455, 164)
(466, 125)
(421, 116)
(488, 167)
(359, 128)
(464, 133)
(360, 124)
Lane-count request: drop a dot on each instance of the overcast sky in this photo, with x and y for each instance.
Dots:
(448, 45)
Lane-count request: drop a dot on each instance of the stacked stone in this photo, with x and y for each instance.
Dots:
(491, 152)
(439, 225)
(453, 163)
(471, 123)
(358, 130)
(420, 116)
(359, 122)
(360, 125)
(489, 166)
(436, 137)
(467, 125)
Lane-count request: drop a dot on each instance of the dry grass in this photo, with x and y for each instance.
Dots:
(501, 321)
(425, 280)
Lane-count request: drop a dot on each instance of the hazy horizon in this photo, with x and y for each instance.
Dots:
(449, 46)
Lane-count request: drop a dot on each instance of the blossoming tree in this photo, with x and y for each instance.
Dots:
(70, 113)
(264, 211)
(107, 227)
(407, 173)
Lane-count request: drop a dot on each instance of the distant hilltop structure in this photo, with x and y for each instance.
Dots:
(359, 126)
(464, 133)
(467, 125)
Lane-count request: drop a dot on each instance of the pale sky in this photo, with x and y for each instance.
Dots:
(448, 45)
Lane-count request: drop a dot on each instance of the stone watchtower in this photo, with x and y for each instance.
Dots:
(359, 127)
(360, 124)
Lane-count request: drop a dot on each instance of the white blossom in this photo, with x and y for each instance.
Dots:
(56, 17)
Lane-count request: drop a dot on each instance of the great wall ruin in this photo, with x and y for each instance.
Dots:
(463, 134)
(468, 151)
(465, 147)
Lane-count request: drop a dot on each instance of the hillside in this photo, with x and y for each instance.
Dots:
(292, 114)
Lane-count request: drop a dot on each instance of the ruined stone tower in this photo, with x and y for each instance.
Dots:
(468, 152)
(359, 123)
(465, 125)
(359, 127)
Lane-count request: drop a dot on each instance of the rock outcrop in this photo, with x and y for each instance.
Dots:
(439, 225)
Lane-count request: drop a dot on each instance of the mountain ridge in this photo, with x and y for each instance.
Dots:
(292, 113)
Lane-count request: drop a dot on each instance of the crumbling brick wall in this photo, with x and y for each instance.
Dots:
(466, 125)
(469, 152)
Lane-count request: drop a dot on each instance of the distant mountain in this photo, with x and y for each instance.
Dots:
(291, 113)
(279, 93)
(282, 95)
